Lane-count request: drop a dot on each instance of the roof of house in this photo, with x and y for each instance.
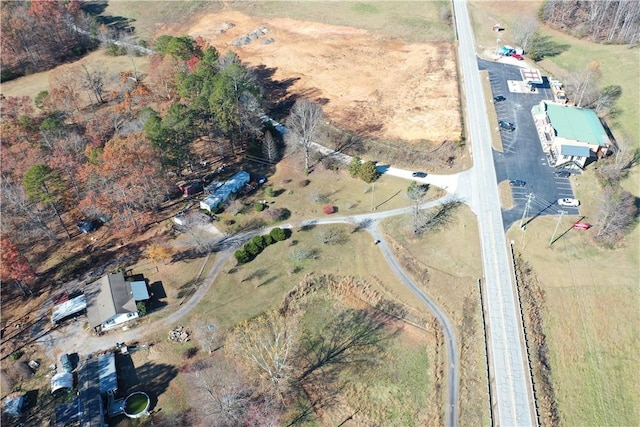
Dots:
(580, 124)
(140, 291)
(68, 308)
(575, 150)
(107, 373)
(108, 296)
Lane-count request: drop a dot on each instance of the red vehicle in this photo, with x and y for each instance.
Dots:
(518, 57)
(581, 226)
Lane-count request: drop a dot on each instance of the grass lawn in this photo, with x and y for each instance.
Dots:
(590, 315)
(33, 84)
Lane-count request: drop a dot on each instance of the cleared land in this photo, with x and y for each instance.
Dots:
(367, 84)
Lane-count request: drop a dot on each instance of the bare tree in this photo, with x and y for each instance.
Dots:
(303, 125)
(208, 335)
(582, 86)
(267, 343)
(524, 31)
(93, 81)
(416, 194)
(617, 211)
(331, 235)
(221, 394)
(269, 147)
(195, 224)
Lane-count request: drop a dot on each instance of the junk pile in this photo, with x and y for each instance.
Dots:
(179, 334)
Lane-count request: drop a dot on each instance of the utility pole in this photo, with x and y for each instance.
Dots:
(373, 188)
(530, 197)
(561, 212)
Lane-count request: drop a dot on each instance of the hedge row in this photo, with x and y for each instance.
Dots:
(253, 247)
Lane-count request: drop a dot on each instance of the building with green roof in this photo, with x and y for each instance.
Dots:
(570, 136)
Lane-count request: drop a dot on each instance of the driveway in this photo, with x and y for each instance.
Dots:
(522, 157)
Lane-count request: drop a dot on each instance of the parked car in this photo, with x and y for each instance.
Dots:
(65, 362)
(516, 56)
(419, 174)
(569, 203)
(506, 125)
(563, 174)
(499, 98)
(89, 226)
(517, 183)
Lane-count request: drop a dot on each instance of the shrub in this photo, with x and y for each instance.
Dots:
(259, 241)
(251, 248)
(278, 234)
(368, 172)
(304, 183)
(190, 352)
(328, 209)
(142, 308)
(16, 355)
(242, 256)
(278, 214)
(269, 192)
(229, 222)
(268, 240)
(354, 166)
(259, 207)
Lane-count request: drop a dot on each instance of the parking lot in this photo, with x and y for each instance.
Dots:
(522, 157)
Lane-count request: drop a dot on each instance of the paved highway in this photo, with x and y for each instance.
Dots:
(508, 371)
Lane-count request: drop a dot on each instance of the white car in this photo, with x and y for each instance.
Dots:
(570, 203)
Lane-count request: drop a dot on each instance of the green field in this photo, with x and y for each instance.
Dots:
(411, 21)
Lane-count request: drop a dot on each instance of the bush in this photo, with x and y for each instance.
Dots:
(304, 183)
(278, 234)
(278, 214)
(259, 207)
(251, 248)
(354, 166)
(269, 192)
(189, 352)
(368, 172)
(328, 209)
(242, 256)
(268, 240)
(142, 309)
(259, 242)
(16, 355)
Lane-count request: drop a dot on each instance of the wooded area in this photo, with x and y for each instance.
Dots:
(606, 21)
(112, 147)
(37, 35)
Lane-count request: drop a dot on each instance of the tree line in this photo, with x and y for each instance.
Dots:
(605, 21)
(37, 35)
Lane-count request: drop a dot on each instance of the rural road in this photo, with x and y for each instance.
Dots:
(509, 374)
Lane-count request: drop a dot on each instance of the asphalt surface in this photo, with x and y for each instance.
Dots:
(509, 374)
(522, 157)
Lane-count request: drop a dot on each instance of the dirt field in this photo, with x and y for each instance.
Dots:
(401, 91)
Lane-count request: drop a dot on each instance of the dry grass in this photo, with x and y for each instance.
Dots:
(33, 84)
(590, 316)
(496, 136)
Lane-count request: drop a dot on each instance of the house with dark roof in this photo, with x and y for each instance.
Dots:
(570, 136)
(110, 302)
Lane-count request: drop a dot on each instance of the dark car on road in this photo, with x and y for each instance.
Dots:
(563, 174)
(506, 125)
(499, 98)
(517, 183)
(419, 174)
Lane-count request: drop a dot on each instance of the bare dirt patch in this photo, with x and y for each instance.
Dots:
(406, 91)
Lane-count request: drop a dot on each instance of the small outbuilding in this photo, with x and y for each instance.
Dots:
(13, 405)
(61, 382)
